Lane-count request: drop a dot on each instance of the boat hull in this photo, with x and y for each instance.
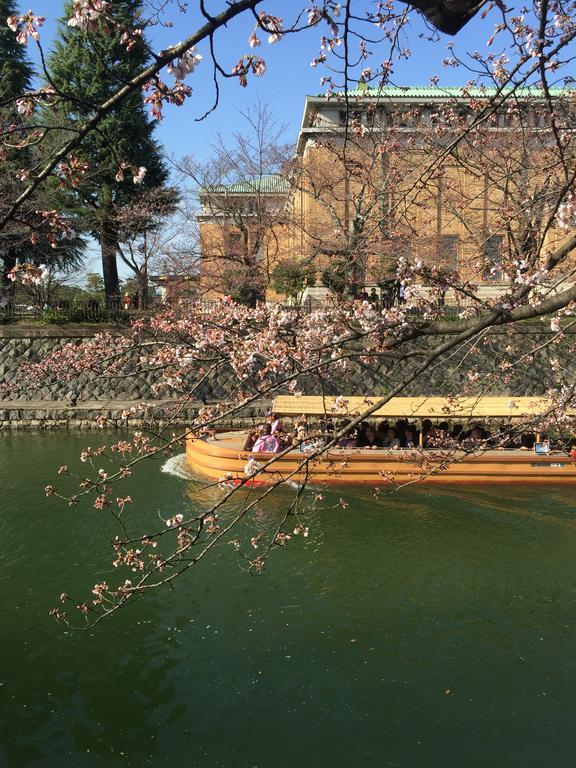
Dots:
(223, 458)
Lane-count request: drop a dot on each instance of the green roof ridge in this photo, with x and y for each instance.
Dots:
(437, 91)
(267, 183)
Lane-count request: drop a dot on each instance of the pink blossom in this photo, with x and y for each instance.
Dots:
(26, 26)
(87, 14)
(185, 65)
(138, 176)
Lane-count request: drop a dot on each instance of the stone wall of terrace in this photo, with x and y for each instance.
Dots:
(539, 365)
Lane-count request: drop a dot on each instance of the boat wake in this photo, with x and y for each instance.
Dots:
(176, 466)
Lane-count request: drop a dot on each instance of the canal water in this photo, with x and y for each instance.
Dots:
(422, 630)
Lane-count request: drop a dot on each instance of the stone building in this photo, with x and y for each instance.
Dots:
(451, 179)
(242, 235)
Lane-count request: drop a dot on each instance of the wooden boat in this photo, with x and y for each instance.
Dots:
(223, 458)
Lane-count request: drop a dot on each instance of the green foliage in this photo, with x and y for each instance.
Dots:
(15, 245)
(83, 314)
(131, 287)
(94, 286)
(292, 277)
(54, 317)
(87, 70)
(90, 69)
(15, 69)
(248, 294)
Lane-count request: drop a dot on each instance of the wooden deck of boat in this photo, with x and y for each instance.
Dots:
(224, 456)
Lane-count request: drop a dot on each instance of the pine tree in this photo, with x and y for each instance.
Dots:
(15, 76)
(89, 69)
(15, 70)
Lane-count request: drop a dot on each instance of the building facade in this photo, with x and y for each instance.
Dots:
(457, 181)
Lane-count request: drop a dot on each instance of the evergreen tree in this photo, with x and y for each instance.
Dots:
(15, 75)
(89, 69)
(15, 70)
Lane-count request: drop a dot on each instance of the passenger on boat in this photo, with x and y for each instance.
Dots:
(392, 439)
(474, 437)
(349, 439)
(266, 442)
(443, 431)
(410, 438)
(505, 437)
(275, 423)
(527, 441)
(457, 432)
(382, 430)
(426, 429)
(251, 438)
(401, 426)
(368, 439)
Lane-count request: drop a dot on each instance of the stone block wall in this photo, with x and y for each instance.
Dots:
(541, 366)
(32, 346)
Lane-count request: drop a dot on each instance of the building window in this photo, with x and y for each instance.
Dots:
(493, 258)
(448, 252)
(351, 116)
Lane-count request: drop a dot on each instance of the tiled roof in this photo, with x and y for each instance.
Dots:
(433, 92)
(272, 183)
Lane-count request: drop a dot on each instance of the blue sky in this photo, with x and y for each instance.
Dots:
(289, 77)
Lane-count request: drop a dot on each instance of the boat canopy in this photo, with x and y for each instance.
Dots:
(421, 407)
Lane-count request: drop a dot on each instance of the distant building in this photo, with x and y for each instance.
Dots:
(175, 287)
(241, 234)
(433, 174)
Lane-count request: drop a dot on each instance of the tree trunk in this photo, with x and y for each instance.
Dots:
(143, 288)
(109, 265)
(9, 259)
(8, 286)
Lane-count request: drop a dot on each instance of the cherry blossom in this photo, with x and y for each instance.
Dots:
(87, 14)
(248, 64)
(185, 65)
(138, 177)
(26, 26)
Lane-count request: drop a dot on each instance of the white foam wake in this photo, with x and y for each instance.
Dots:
(176, 466)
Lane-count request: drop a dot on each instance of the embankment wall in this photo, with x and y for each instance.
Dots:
(540, 365)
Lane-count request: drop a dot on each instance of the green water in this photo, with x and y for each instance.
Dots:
(422, 630)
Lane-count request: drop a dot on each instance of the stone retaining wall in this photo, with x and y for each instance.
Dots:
(542, 366)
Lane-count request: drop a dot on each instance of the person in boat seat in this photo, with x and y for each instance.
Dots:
(382, 431)
(368, 439)
(438, 435)
(505, 436)
(301, 424)
(361, 432)
(300, 431)
(251, 438)
(527, 440)
(348, 440)
(275, 423)
(266, 442)
(410, 437)
(443, 430)
(327, 427)
(401, 427)
(457, 432)
(392, 439)
(477, 436)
